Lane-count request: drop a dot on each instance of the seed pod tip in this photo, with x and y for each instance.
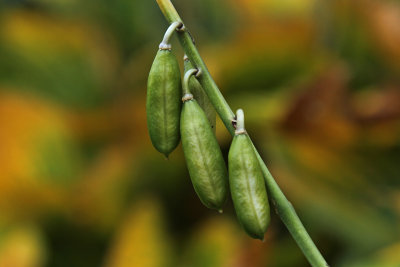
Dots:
(164, 46)
(187, 97)
(240, 122)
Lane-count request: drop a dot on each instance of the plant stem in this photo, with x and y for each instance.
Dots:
(185, 83)
(165, 45)
(240, 122)
(284, 208)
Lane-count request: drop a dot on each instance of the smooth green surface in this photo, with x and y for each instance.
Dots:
(203, 156)
(163, 104)
(248, 188)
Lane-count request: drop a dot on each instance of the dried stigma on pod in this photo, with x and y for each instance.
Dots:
(163, 105)
(202, 153)
(247, 185)
(199, 94)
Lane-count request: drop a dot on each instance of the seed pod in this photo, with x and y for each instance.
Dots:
(202, 153)
(163, 103)
(201, 97)
(247, 185)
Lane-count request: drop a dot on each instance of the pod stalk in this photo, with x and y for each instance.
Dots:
(240, 122)
(185, 86)
(165, 44)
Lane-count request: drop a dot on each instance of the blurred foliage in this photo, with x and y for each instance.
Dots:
(141, 240)
(21, 246)
(81, 185)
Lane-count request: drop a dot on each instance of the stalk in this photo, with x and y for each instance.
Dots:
(165, 45)
(283, 207)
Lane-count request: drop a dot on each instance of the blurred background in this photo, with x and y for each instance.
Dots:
(81, 185)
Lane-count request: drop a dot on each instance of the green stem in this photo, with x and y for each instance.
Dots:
(185, 83)
(165, 45)
(240, 122)
(284, 208)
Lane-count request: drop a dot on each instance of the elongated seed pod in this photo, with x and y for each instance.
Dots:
(163, 104)
(247, 185)
(203, 155)
(201, 97)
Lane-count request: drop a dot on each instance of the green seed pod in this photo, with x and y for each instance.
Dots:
(163, 105)
(202, 153)
(247, 185)
(201, 97)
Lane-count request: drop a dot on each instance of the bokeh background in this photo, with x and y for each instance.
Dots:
(81, 185)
